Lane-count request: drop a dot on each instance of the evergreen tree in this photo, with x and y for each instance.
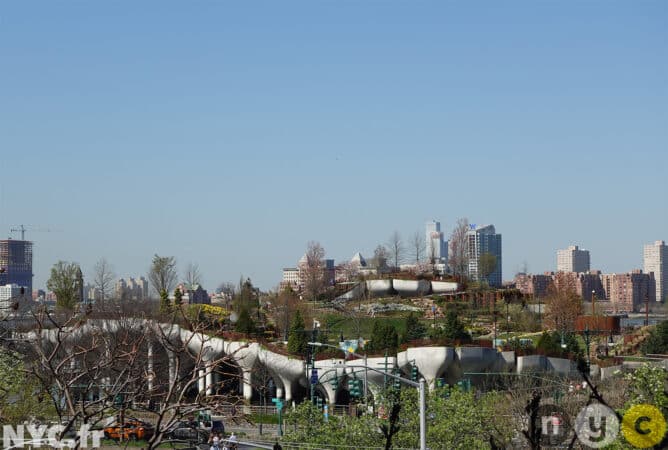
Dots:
(297, 339)
(245, 323)
(453, 328)
(414, 328)
(178, 297)
(384, 337)
(165, 306)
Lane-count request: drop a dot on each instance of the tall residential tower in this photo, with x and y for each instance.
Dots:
(436, 247)
(573, 259)
(481, 241)
(655, 259)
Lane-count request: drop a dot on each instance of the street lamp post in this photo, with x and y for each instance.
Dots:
(419, 385)
(586, 336)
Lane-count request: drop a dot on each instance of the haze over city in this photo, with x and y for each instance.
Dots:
(231, 134)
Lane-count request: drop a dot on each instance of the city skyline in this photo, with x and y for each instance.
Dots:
(276, 277)
(230, 138)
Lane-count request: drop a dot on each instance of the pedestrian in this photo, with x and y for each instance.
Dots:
(215, 443)
(277, 446)
(232, 441)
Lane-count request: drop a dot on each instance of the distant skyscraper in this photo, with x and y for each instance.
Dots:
(479, 241)
(655, 259)
(436, 246)
(573, 259)
(16, 263)
(132, 289)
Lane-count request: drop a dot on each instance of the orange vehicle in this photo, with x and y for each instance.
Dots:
(130, 429)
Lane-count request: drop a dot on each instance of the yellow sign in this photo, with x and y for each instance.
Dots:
(643, 426)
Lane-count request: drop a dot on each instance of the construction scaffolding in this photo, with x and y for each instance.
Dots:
(16, 263)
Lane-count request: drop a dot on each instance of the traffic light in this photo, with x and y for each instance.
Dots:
(464, 385)
(414, 372)
(397, 383)
(355, 387)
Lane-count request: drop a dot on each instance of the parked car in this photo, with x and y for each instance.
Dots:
(129, 429)
(187, 431)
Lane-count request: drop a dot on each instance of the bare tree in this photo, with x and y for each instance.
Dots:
(107, 363)
(227, 287)
(284, 308)
(431, 252)
(347, 271)
(313, 268)
(457, 255)
(396, 249)
(162, 274)
(418, 246)
(380, 257)
(103, 278)
(192, 275)
(563, 304)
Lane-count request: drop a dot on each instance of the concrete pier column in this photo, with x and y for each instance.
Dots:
(149, 362)
(209, 379)
(248, 386)
(331, 393)
(172, 367)
(288, 392)
(201, 380)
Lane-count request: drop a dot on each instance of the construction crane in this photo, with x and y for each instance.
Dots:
(23, 230)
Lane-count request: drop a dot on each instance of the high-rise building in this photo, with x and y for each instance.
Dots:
(573, 259)
(16, 263)
(655, 259)
(482, 241)
(291, 278)
(628, 291)
(536, 285)
(589, 285)
(132, 289)
(10, 293)
(436, 247)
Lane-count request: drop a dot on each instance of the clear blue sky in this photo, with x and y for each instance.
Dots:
(231, 133)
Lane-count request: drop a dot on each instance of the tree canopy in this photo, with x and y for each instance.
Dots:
(384, 337)
(64, 283)
(657, 341)
(297, 339)
(414, 328)
(162, 274)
